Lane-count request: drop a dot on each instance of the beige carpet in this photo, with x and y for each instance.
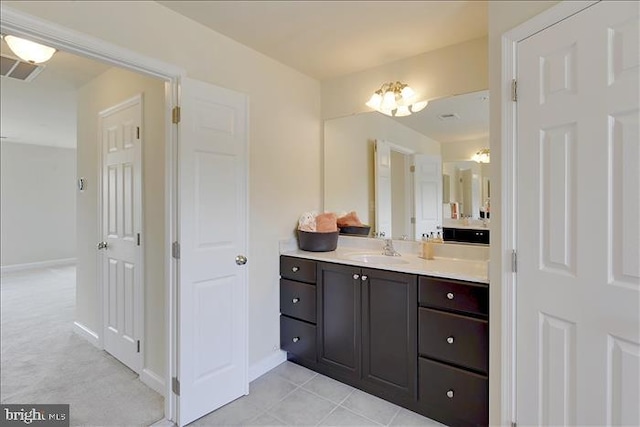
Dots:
(44, 361)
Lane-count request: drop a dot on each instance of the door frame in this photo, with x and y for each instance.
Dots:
(63, 38)
(506, 363)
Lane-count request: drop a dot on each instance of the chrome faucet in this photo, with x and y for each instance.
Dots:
(388, 248)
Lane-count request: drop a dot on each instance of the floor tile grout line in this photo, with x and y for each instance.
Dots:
(394, 417)
(329, 414)
(362, 415)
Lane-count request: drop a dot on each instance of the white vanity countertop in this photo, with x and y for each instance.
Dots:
(450, 268)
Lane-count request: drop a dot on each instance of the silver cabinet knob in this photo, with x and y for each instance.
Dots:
(450, 394)
(295, 339)
(450, 295)
(364, 277)
(450, 340)
(241, 260)
(295, 300)
(103, 245)
(295, 269)
(356, 276)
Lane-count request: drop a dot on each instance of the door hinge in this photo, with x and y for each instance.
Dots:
(413, 220)
(175, 115)
(514, 261)
(137, 132)
(138, 239)
(175, 386)
(138, 346)
(412, 168)
(175, 250)
(514, 90)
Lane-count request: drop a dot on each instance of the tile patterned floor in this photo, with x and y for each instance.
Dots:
(296, 396)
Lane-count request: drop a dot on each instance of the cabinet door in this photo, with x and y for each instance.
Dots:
(389, 336)
(338, 298)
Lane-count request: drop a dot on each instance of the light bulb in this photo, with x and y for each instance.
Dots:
(375, 101)
(419, 106)
(402, 111)
(29, 51)
(388, 101)
(407, 94)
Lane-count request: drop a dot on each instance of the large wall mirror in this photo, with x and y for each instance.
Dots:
(403, 175)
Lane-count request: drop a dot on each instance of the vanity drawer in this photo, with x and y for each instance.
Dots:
(298, 300)
(453, 396)
(300, 269)
(453, 338)
(298, 337)
(455, 295)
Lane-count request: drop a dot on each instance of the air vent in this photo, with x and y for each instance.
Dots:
(11, 67)
(449, 116)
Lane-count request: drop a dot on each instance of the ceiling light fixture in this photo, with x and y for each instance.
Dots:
(29, 51)
(395, 99)
(482, 156)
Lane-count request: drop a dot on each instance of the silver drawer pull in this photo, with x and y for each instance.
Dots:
(356, 276)
(364, 277)
(450, 295)
(295, 269)
(450, 394)
(295, 300)
(450, 340)
(295, 339)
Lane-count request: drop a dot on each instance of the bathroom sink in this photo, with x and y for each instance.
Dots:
(376, 259)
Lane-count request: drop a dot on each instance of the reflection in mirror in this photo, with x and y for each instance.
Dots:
(451, 129)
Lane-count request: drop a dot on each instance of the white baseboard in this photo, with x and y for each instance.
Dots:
(86, 333)
(163, 423)
(265, 365)
(40, 264)
(153, 380)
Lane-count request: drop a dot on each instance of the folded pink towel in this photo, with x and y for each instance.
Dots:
(326, 222)
(349, 220)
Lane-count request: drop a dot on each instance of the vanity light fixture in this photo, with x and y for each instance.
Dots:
(29, 51)
(482, 156)
(395, 99)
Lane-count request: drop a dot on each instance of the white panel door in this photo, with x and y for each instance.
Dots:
(212, 297)
(382, 170)
(120, 132)
(578, 190)
(428, 194)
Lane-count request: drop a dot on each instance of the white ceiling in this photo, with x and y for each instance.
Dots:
(471, 123)
(322, 39)
(43, 111)
(325, 39)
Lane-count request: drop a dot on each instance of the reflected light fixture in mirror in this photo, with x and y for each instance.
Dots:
(29, 51)
(482, 156)
(395, 99)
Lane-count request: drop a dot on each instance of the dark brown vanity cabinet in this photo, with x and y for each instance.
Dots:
(420, 342)
(367, 327)
(453, 348)
(339, 312)
(298, 307)
(389, 328)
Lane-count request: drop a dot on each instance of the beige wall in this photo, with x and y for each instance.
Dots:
(111, 88)
(503, 16)
(37, 203)
(348, 152)
(284, 126)
(452, 70)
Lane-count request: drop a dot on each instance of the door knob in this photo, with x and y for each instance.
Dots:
(241, 260)
(103, 245)
(450, 394)
(450, 340)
